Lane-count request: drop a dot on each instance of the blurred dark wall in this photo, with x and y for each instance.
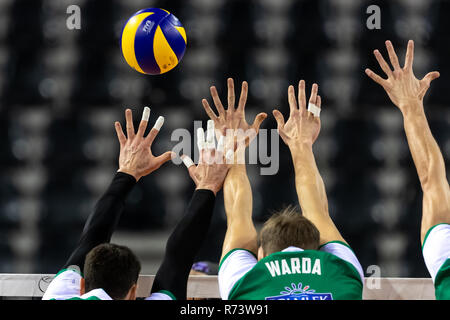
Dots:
(61, 90)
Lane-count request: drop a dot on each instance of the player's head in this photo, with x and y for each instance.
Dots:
(287, 227)
(112, 268)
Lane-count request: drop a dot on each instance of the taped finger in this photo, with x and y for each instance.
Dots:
(187, 161)
(210, 143)
(201, 139)
(315, 110)
(221, 144)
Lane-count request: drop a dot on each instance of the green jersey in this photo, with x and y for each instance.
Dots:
(292, 274)
(442, 282)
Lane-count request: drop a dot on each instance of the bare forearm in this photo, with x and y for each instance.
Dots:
(424, 148)
(238, 207)
(238, 194)
(308, 182)
(430, 168)
(311, 193)
(407, 93)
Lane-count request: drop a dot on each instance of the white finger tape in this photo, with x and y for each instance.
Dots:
(315, 110)
(146, 114)
(210, 125)
(210, 143)
(200, 139)
(159, 123)
(187, 161)
(229, 156)
(221, 144)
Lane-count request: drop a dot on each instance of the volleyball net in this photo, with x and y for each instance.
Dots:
(33, 286)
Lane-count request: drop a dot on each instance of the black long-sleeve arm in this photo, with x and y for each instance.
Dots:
(103, 221)
(183, 245)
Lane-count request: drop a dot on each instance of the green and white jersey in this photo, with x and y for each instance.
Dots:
(331, 273)
(436, 253)
(66, 286)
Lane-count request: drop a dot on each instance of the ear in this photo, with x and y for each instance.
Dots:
(131, 295)
(260, 253)
(82, 287)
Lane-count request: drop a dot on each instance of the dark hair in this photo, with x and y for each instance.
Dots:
(112, 268)
(288, 227)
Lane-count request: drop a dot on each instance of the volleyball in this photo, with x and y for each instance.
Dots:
(153, 41)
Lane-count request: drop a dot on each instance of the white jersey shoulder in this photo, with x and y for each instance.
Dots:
(232, 268)
(345, 253)
(65, 285)
(436, 248)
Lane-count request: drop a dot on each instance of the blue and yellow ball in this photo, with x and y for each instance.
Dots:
(153, 41)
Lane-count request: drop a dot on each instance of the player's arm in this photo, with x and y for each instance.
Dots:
(135, 161)
(299, 133)
(238, 201)
(407, 93)
(103, 220)
(241, 232)
(189, 234)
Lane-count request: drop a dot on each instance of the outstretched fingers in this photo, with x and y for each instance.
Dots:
(210, 134)
(231, 94)
(426, 81)
(129, 123)
(313, 110)
(409, 55)
(144, 122)
(166, 156)
(319, 109)
(383, 64)
(279, 118)
(392, 55)
(302, 97)
(201, 143)
(430, 76)
(211, 114)
(314, 90)
(216, 99)
(191, 167)
(120, 134)
(243, 97)
(319, 102)
(372, 75)
(291, 99)
(260, 117)
(154, 132)
(280, 123)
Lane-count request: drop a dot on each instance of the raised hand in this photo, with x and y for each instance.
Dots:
(302, 126)
(212, 168)
(136, 157)
(402, 87)
(233, 118)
